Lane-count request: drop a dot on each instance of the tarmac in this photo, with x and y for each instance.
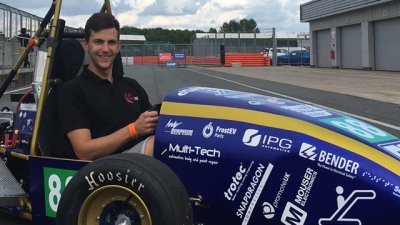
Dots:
(381, 86)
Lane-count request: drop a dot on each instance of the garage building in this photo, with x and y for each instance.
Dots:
(354, 34)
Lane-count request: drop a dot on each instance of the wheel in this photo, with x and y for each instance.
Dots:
(125, 189)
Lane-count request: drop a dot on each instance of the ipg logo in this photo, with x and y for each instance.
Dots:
(254, 138)
(251, 137)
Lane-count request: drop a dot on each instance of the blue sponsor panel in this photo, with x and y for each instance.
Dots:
(251, 171)
(48, 178)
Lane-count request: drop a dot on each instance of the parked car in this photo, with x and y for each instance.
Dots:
(297, 57)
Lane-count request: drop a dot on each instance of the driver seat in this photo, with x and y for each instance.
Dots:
(68, 60)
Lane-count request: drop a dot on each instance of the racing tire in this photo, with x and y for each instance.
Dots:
(125, 189)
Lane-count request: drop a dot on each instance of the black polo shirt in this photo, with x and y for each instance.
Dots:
(91, 102)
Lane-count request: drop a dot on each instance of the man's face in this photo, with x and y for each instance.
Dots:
(102, 48)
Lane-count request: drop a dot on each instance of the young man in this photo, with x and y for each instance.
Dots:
(103, 113)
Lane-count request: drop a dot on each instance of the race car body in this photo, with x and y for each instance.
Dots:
(253, 159)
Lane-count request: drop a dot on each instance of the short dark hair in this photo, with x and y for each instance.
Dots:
(23, 30)
(100, 21)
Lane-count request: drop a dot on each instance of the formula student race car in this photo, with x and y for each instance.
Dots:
(221, 157)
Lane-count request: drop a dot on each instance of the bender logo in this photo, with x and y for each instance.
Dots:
(308, 151)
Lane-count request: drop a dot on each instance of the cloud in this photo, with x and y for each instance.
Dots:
(183, 14)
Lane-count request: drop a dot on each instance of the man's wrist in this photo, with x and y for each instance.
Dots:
(132, 130)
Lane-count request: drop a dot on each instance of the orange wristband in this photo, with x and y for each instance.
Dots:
(132, 130)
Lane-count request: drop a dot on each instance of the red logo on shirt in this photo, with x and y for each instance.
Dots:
(130, 98)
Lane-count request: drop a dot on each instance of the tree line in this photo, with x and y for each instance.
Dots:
(185, 36)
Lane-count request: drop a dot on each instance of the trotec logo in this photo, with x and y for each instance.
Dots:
(251, 138)
(308, 151)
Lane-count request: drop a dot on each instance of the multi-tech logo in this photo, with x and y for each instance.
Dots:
(293, 215)
(308, 151)
(392, 148)
(253, 138)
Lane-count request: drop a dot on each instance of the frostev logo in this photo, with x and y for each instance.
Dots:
(208, 130)
(251, 137)
(308, 151)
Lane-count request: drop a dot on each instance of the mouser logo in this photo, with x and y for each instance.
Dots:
(173, 130)
(308, 151)
(293, 215)
(252, 138)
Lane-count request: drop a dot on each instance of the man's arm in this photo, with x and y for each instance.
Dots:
(87, 148)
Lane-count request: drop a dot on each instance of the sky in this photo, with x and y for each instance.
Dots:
(284, 15)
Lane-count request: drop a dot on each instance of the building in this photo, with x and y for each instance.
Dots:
(356, 34)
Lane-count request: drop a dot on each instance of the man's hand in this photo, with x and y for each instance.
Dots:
(146, 123)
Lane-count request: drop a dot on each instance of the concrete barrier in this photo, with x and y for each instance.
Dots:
(22, 78)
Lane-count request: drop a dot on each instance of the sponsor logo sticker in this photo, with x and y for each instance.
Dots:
(55, 181)
(293, 215)
(172, 128)
(392, 148)
(253, 138)
(193, 154)
(330, 161)
(218, 132)
(308, 110)
(360, 129)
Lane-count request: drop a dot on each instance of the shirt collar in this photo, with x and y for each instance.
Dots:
(88, 74)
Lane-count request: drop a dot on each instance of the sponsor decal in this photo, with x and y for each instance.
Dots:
(267, 100)
(308, 151)
(393, 148)
(173, 130)
(282, 187)
(360, 129)
(193, 154)
(396, 191)
(293, 215)
(345, 205)
(384, 182)
(218, 132)
(253, 138)
(55, 181)
(253, 192)
(237, 182)
(305, 186)
(308, 110)
(330, 161)
(268, 210)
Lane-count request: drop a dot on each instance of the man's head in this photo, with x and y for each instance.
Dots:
(100, 21)
(102, 43)
(23, 30)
